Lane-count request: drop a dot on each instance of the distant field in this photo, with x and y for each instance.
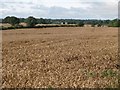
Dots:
(60, 57)
(5, 25)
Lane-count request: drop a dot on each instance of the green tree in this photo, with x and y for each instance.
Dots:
(11, 20)
(114, 23)
(31, 21)
(92, 25)
(81, 24)
(99, 25)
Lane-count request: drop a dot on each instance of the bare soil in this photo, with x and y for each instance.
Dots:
(60, 57)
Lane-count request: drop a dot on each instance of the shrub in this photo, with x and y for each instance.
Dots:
(99, 25)
(92, 25)
(114, 23)
(81, 24)
(11, 20)
(31, 21)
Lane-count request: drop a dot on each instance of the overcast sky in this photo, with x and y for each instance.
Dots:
(71, 9)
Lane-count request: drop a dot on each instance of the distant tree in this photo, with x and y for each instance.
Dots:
(6, 19)
(22, 19)
(92, 25)
(99, 25)
(114, 23)
(63, 22)
(41, 21)
(31, 21)
(81, 24)
(11, 20)
(110, 24)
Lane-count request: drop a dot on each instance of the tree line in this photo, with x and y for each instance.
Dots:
(32, 21)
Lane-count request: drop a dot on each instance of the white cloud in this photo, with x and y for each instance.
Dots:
(60, 8)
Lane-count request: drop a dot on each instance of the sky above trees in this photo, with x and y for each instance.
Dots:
(76, 9)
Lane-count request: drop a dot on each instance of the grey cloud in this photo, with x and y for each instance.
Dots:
(97, 10)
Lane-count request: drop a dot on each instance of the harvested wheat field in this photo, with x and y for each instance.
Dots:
(60, 57)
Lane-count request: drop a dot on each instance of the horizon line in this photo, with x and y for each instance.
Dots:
(64, 18)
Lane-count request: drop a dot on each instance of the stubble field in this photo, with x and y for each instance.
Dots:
(60, 57)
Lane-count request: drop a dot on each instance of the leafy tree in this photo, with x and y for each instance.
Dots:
(81, 24)
(92, 25)
(6, 19)
(110, 24)
(22, 19)
(31, 21)
(11, 20)
(114, 23)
